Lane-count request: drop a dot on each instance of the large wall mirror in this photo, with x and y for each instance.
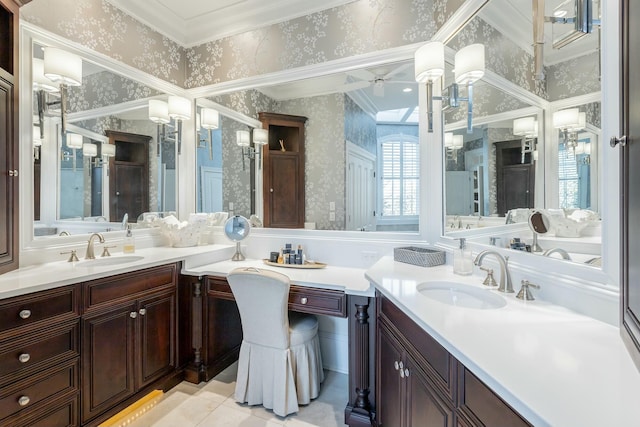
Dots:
(518, 155)
(361, 168)
(108, 160)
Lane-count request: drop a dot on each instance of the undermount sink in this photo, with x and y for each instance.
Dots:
(104, 262)
(461, 295)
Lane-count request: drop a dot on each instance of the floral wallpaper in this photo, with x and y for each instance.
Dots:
(103, 89)
(102, 27)
(577, 76)
(356, 28)
(359, 126)
(236, 182)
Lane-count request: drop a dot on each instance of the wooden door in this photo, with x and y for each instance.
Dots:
(107, 359)
(391, 388)
(156, 332)
(425, 407)
(360, 189)
(630, 180)
(515, 184)
(130, 194)
(283, 200)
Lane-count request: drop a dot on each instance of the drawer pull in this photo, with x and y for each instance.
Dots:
(406, 373)
(395, 365)
(23, 400)
(24, 357)
(25, 314)
(303, 300)
(133, 314)
(142, 311)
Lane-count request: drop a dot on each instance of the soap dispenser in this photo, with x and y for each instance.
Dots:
(462, 260)
(129, 246)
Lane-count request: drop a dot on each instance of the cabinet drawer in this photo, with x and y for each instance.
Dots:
(63, 413)
(38, 351)
(440, 365)
(38, 390)
(42, 307)
(124, 287)
(481, 405)
(218, 287)
(317, 301)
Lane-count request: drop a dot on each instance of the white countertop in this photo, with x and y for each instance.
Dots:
(557, 368)
(51, 275)
(351, 280)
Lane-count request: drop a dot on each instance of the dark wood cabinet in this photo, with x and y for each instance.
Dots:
(630, 181)
(515, 178)
(420, 383)
(283, 170)
(39, 358)
(128, 337)
(9, 145)
(128, 175)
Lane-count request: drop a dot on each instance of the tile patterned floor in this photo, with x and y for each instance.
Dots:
(212, 405)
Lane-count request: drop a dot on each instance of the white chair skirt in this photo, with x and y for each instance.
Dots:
(279, 379)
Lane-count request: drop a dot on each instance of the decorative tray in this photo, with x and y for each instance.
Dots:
(305, 265)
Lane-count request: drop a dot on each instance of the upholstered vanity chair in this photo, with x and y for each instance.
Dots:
(280, 364)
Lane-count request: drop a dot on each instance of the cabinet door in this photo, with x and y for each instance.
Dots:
(285, 198)
(8, 180)
(425, 407)
(156, 323)
(107, 359)
(390, 387)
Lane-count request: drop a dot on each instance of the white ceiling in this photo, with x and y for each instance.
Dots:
(193, 22)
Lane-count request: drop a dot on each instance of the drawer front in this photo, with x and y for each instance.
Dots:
(218, 287)
(480, 405)
(63, 413)
(128, 286)
(317, 301)
(38, 390)
(38, 351)
(46, 306)
(440, 364)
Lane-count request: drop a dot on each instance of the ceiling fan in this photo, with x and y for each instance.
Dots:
(360, 79)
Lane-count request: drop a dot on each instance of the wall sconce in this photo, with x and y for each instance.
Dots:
(65, 69)
(89, 149)
(260, 139)
(452, 143)
(527, 128)
(243, 140)
(161, 112)
(469, 67)
(209, 120)
(74, 141)
(106, 150)
(570, 121)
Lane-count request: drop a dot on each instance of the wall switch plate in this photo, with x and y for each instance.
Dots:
(332, 206)
(332, 216)
(230, 206)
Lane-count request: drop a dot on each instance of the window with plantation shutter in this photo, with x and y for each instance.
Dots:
(399, 176)
(567, 177)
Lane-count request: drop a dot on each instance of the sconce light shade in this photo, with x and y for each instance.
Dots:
(89, 149)
(429, 62)
(458, 141)
(260, 136)
(525, 126)
(159, 111)
(448, 139)
(567, 119)
(209, 118)
(469, 63)
(62, 67)
(582, 122)
(40, 82)
(37, 142)
(179, 108)
(242, 138)
(74, 140)
(108, 150)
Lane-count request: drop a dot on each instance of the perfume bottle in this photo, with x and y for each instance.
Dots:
(462, 259)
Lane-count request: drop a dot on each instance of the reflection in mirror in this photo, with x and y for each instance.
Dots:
(108, 161)
(361, 148)
(503, 168)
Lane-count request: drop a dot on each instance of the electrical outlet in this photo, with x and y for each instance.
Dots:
(332, 206)
(369, 257)
(230, 206)
(332, 216)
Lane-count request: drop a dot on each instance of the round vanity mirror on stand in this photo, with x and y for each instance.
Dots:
(237, 229)
(539, 224)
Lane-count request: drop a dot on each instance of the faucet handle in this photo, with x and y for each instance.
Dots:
(105, 251)
(489, 280)
(73, 257)
(525, 292)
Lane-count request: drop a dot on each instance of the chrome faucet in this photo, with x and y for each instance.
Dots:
(89, 254)
(562, 252)
(505, 278)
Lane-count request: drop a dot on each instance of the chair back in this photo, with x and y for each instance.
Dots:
(262, 297)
